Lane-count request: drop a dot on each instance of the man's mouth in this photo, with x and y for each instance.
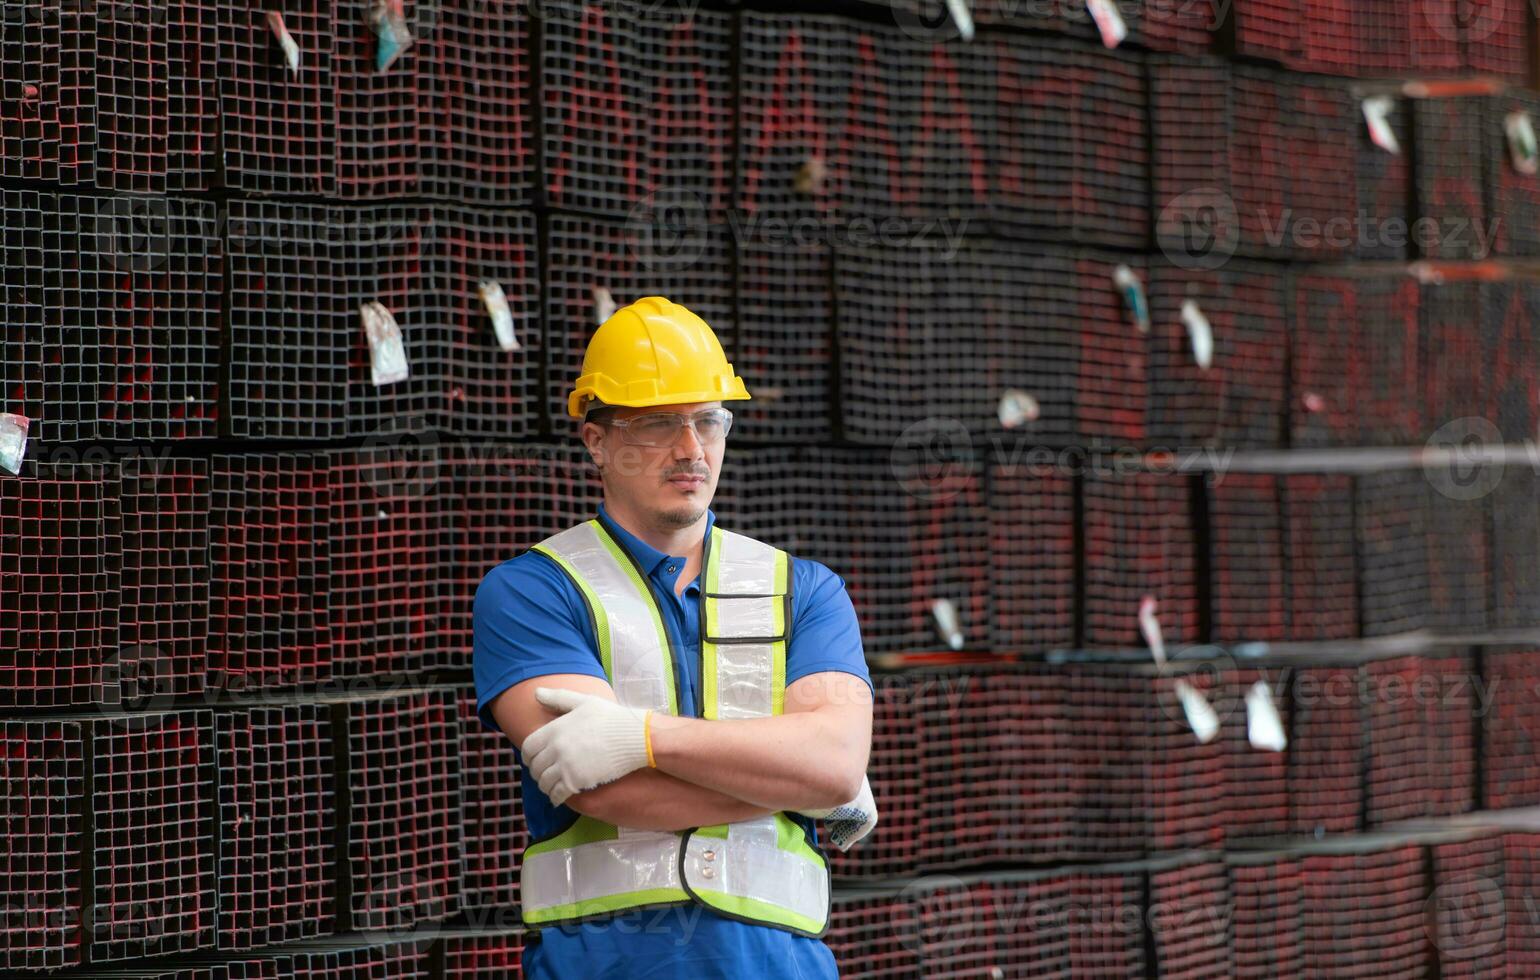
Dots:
(687, 481)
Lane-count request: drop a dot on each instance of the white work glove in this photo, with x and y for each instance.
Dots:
(595, 741)
(849, 822)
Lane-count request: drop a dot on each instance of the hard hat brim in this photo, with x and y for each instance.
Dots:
(576, 402)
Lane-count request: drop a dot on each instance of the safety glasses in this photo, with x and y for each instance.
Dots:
(662, 429)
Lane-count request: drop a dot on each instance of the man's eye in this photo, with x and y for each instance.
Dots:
(656, 427)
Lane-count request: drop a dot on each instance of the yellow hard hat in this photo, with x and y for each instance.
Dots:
(654, 352)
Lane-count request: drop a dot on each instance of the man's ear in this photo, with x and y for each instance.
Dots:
(592, 435)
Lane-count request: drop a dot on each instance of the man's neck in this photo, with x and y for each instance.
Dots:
(685, 541)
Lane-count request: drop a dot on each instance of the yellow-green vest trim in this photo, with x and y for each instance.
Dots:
(764, 871)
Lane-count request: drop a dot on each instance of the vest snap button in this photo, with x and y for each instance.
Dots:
(709, 872)
(709, 855)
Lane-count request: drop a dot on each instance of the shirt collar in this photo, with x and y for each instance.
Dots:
(650, 558)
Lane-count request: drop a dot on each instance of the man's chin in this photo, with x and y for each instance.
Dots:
(681, 515)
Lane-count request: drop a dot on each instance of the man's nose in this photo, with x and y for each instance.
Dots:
(688, 445)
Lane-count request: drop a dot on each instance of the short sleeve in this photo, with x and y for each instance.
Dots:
(825, 634)
(528, 620)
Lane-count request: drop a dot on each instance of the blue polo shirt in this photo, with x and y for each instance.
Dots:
(530, 620)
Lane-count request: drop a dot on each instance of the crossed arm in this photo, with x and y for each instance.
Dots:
(812, 756)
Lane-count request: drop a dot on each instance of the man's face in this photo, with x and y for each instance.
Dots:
(668, 486)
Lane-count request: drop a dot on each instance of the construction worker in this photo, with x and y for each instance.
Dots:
(687, 701)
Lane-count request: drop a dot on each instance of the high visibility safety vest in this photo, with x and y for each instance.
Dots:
(766, 870)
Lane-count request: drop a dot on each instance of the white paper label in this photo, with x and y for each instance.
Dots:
(1200, 714)
(1133, 296)
(1149, 625)
(285, 39)
(1109, 20)
(946, 622)
(1017, 407)
(502, 317)
(1200, 333)
(604, 305)
(13, 441)
(962, 16)
(1377, 115)
(1522, 149)
(387, 355)
(388, 19)
(1264, 728)
(810, 176)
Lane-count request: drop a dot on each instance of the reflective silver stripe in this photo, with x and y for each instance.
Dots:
(743, 607)
(589, 873)
(636, 652)
(737, 617)
(750, 864)
(743, 680)
(638, 859)
(745, 566)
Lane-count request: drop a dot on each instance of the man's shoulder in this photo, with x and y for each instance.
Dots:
(814, 572)
(815, 585)
(528, 575)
